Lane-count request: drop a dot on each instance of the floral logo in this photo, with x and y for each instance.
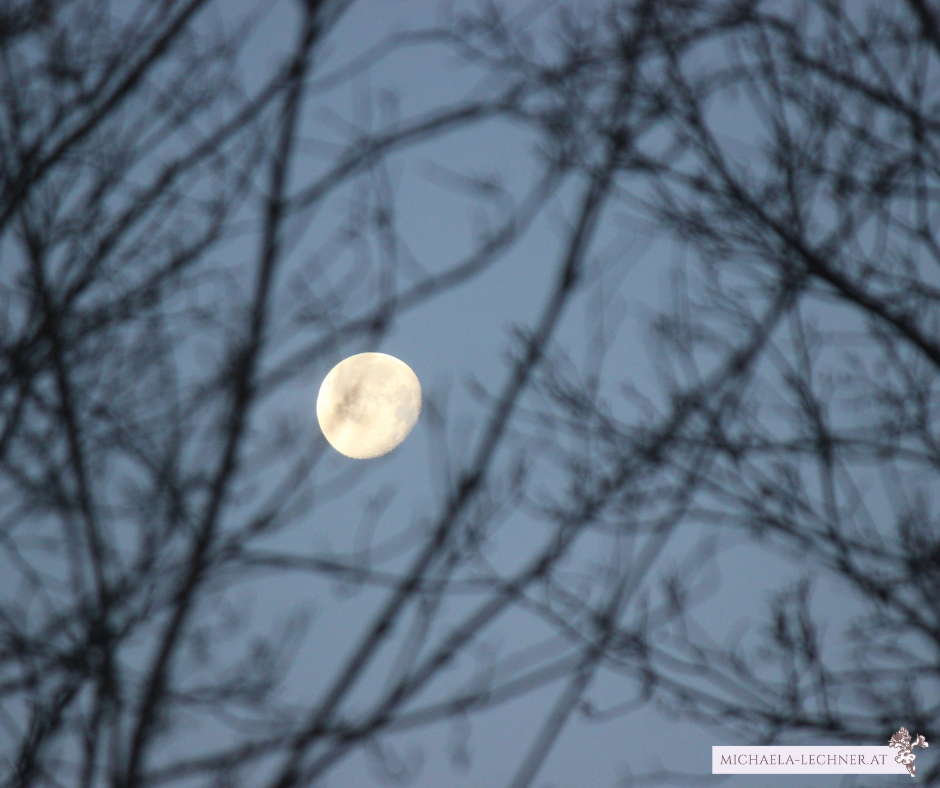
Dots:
(902, 740)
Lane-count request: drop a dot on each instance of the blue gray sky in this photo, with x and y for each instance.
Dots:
(456, 343)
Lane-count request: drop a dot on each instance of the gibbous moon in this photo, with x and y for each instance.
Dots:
(368, 404)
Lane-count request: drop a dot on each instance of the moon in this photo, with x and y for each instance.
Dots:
(367, 405)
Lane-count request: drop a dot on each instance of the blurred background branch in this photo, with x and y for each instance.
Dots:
(739, 530)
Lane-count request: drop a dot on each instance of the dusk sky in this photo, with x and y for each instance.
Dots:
(702, 459)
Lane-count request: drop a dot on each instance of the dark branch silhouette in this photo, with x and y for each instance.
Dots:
(172, 263)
